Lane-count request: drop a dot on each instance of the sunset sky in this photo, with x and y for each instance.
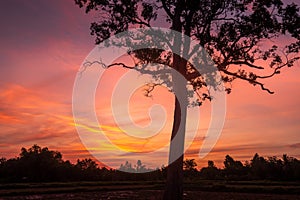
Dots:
(43, 44)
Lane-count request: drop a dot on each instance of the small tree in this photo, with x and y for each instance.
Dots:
(210, 172)
(210, 164)
(140, 167)
(40, 163)
(87, 164)
(259, 167)
(231, 31)
(189, 164)
(233, 168)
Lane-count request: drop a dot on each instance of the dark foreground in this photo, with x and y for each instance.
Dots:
(155, 195)
(135, 190)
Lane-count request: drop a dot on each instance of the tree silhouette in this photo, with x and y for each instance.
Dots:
(211, 164)
(233, 169)
(189, 164)
(86, 164)
(241, 37)
(88, 169)
(210, 172)
(38, 164)
(259, 166)
(140, 167)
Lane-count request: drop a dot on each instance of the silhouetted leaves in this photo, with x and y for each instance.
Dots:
(231, 31)
(38, 164)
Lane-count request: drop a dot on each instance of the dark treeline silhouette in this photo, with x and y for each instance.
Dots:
(38, 164)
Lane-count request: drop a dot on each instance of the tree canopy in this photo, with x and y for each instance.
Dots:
(249, 40)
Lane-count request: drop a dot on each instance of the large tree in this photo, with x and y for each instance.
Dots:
(250, 40)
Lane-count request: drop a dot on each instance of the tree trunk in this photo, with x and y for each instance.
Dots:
(174, 184)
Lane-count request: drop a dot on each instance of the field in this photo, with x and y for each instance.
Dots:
(219, 190)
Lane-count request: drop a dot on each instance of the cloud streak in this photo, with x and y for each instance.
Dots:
(43, 45)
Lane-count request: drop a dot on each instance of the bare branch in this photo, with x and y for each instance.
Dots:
(167, 9)
(140, 22)
(254, 82)
(151, 87)
(245, 63)
(88, 64)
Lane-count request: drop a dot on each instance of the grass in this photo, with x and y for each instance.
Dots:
(15, 189)
(245, 186)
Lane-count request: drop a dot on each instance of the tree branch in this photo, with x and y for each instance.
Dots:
(254, 82)
(151, 87)
(167, 10)
(245, 63)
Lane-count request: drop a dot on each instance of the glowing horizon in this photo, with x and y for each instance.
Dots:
(40, 60)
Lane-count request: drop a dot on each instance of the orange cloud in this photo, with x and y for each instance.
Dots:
(27, 118)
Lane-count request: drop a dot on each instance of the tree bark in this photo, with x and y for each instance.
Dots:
(174, 184)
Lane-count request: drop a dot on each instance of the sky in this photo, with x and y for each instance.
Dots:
(43, 44)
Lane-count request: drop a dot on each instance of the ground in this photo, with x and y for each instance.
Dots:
(151, 190)
(154, 195)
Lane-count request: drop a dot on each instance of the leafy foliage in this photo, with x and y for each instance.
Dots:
(189, 164)
(38, 164)
(239, 35)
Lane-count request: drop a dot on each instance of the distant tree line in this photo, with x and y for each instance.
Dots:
(259, 168)
(38, 164)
